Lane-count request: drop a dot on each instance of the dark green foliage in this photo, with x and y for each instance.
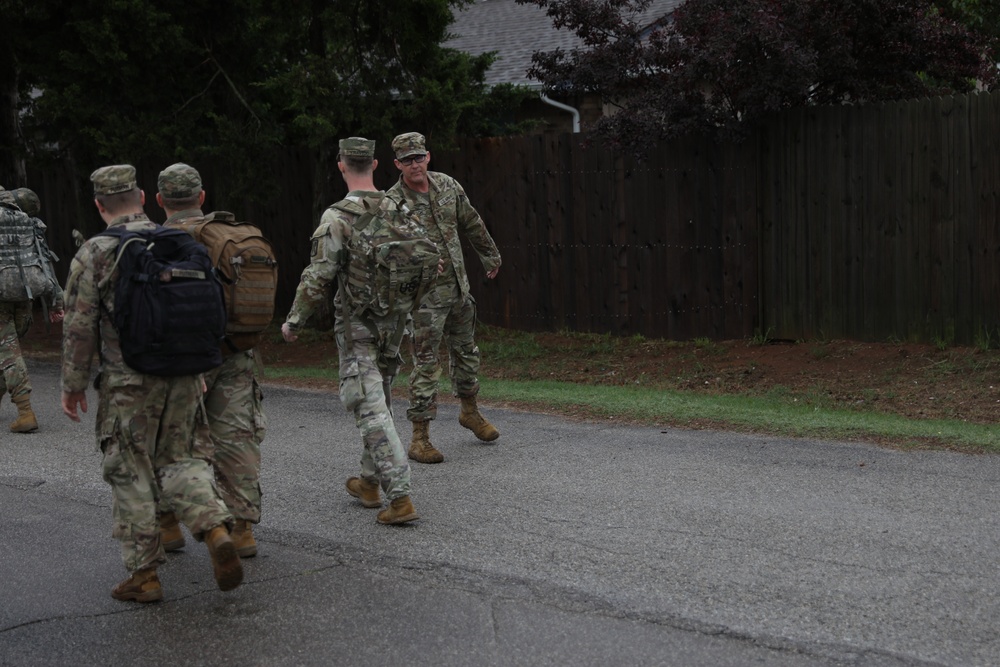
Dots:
(118, 80)
(721, 65)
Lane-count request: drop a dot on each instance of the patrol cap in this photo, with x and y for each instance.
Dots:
(411, 143)
(113, 179)
(357, 147)
(179, 181)
(28, 201)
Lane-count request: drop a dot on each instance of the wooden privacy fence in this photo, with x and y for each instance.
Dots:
(593, 241)
(871, 222)
(881, 221)
(868, 223)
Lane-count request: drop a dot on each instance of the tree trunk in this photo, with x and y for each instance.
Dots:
(12, 168)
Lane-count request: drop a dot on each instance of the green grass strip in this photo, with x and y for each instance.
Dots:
(778, 416)
(785, 416)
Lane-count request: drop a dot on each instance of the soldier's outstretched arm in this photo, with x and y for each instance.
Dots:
(70, 401)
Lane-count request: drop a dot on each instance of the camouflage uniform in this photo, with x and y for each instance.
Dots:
(16, 316)
(237, 422)
(448, 310)
(366, 370)
(15, 320)
(152, 431)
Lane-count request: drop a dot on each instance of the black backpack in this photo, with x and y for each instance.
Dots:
(169, 307)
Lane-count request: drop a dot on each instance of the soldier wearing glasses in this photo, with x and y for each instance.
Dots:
(448, 311)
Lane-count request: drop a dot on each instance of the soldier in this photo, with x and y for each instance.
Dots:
(151, 430)
(367, 366)
(448, 310)
(233, 400)
(16, 319)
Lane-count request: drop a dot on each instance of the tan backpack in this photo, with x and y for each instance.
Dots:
(248, 270)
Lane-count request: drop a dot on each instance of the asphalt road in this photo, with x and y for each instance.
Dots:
(562, 543)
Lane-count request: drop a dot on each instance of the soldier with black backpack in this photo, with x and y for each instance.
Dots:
(379, 261)
(245, 263)
(144, 299)
(26, 275)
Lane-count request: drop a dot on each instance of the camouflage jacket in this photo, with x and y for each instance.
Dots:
(88, 327)
(183, 216)
(444, 212)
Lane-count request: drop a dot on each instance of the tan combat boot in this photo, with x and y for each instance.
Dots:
(225, 561)
(421, 450)
(141, 586)
(364, 490)
(25, 422)
(399, 511)
(242, 536)
(171, 536)
(471, 419)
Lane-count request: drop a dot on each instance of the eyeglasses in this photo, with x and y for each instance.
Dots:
(407, 161)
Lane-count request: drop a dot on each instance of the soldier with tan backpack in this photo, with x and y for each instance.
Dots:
(245, 264)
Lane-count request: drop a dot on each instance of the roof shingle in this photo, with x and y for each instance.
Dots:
(516, 31)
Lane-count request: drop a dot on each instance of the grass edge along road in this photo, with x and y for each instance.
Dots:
(746, 414)
(523, 357)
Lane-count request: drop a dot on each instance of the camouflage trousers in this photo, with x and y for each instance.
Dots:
(15, 320)
(455, 324)
(154, 437)
(238, 425)
(366, 391)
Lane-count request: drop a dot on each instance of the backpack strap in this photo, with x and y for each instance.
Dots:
(119, 234)
(392, 366)
(349, 206)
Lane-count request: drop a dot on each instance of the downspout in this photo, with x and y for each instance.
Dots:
(565, 107)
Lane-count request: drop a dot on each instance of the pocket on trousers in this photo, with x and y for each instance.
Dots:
(352, 390)
(114, 467)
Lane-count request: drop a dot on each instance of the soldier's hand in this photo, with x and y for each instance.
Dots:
(493, 274)
(56, 316)
(70, 401)
(287, 333)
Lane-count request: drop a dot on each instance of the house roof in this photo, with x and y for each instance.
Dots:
(516, 31)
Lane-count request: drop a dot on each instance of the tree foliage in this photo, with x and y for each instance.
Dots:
(982, 16)
(116, 80)
(722, 65)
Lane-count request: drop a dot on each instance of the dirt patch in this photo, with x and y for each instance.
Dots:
(913, 380)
